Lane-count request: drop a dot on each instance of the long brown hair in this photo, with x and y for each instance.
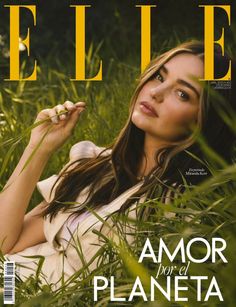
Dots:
(119, 168)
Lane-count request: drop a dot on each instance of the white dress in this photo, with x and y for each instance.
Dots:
(59, 253)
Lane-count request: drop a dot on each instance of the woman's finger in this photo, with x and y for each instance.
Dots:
(43, 115)
(80, 104)
(74, 117)
(61, 109)
(70, 106)
(52, 113)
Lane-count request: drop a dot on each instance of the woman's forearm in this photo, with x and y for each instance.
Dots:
(51, 131)
(15, 197)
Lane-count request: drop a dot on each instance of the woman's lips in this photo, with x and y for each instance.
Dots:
(148, 109)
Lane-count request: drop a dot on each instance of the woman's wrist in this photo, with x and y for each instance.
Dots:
(39, 151)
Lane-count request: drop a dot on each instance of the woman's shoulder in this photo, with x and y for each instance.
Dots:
(87, 149)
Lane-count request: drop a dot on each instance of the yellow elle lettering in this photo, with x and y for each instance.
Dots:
(80, 46)
(80, 62)
(145, 34)
(14, 42)
(209, 41)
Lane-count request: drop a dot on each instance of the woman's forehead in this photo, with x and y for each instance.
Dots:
(185, 64)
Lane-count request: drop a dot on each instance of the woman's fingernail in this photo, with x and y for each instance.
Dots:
(80, 104)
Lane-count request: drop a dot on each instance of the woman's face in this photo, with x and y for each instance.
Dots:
(167, 105)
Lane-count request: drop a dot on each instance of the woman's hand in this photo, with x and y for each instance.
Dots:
(56, 127)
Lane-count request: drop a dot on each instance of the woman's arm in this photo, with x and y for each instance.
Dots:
(32, 231)
(14, 199)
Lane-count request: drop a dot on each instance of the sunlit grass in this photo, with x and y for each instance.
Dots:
(204, 211)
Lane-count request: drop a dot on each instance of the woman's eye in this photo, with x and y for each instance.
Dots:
(183, 95)
(158, 76)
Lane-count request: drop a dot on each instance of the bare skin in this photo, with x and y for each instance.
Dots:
(174, 108)
(15, 226)
(173, 96)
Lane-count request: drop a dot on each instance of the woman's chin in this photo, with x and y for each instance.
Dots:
(140, 121)
(140, 125)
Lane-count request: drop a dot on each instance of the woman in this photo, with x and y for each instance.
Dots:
(168, 109)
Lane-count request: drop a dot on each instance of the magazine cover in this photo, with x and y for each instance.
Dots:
(117, 153)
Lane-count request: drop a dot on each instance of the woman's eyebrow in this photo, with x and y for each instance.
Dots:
(165, 70)
(182, 82)
(190, 86)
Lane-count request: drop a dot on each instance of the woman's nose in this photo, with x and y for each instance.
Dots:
(157, 93)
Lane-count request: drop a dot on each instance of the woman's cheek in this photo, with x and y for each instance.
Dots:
(185, 119)
(180, 112)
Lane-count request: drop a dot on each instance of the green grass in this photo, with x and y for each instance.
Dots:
(205, 211)
(107, 107)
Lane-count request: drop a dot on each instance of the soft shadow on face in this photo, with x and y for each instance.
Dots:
(167, 105)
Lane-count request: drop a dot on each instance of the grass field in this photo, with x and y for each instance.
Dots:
(205, 211)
